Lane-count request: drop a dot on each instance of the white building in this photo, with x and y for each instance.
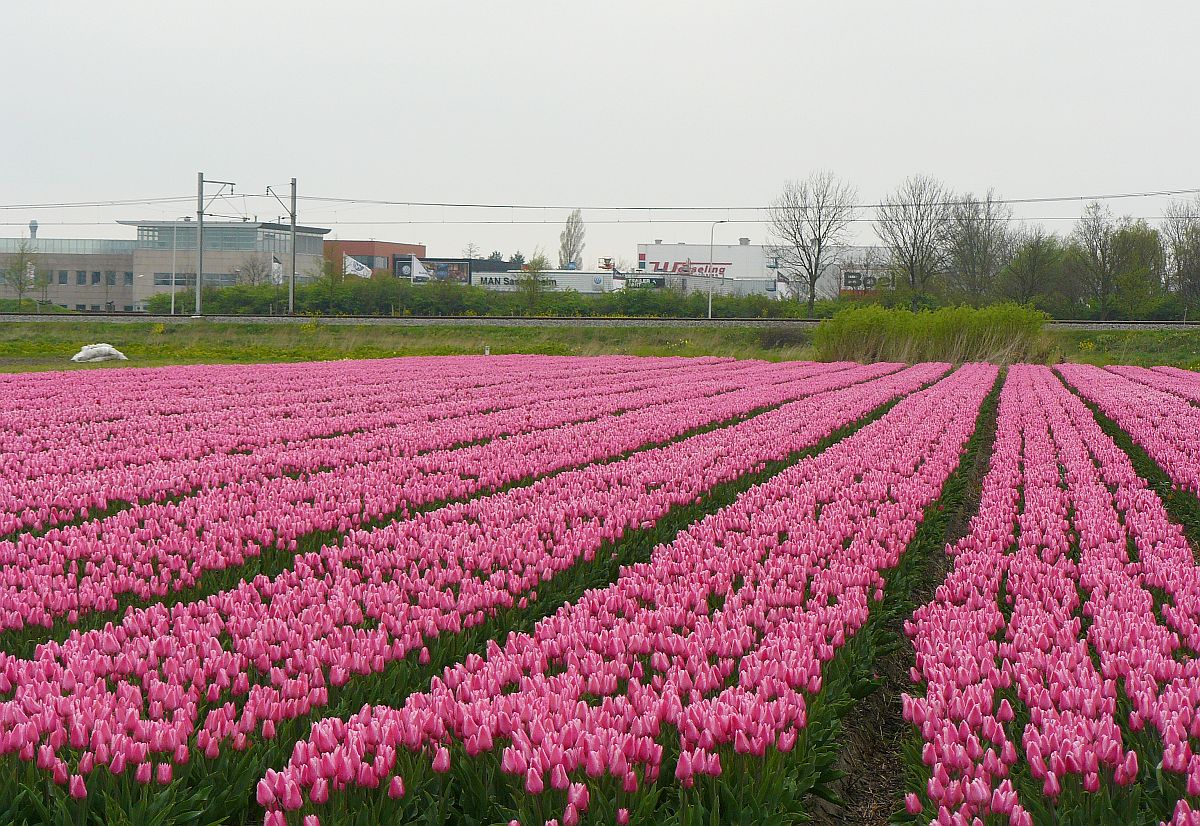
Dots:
(749, 269)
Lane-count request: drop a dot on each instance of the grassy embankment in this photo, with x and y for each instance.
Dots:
(872, 334)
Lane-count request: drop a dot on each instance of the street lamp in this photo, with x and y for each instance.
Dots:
(174, 232)
(711, 232)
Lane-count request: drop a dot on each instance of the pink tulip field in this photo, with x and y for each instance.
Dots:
(563, 590)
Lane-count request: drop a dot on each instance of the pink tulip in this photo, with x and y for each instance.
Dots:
(77, 789)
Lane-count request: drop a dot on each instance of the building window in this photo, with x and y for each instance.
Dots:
(81, 307)
(62, 276)
(95, 278)
(128, 281)
(110, 278)
(80, 279)
(129, 308)
(182, 279)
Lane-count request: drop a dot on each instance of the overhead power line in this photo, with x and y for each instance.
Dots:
(954, 202)
(630, 208)
(110, 203)
(522, 222)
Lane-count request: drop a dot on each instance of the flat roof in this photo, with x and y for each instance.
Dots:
(253, 224)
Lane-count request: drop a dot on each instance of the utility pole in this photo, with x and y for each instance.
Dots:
(292, 282)
(199, 237)
(291, 211)
(200, 208)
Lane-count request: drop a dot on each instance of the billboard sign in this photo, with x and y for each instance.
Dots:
(447, 270)
(578, 280)
(638, 282)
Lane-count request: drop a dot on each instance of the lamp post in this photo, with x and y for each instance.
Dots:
(711, 232)
(174, 235)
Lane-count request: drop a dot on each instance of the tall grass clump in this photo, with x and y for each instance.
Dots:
(1001, 334)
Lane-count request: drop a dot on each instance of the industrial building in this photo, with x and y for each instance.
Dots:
(754, 269)
(121, 275)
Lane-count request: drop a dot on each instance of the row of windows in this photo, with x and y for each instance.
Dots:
(112, 307)
(188, 279)
(228, 238)
(109, 276)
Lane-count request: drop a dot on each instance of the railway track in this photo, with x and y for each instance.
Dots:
(525, 321)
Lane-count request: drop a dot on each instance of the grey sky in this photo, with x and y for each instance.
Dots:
(614, 103)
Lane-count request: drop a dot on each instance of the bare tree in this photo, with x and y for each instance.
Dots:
(255, 270)
(913, 222)
(1181, 233)
(1035, 267)
(471, 251)
(20, 271)
(979, 246)
(570, 241)
(810, 219)
(1093, 236)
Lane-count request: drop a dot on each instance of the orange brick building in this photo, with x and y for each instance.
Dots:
(378, 255)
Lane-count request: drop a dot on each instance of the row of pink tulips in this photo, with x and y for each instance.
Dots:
(1061, 507)
(1166, 426)
(225, 670)
(590, 701)
(60, 485)
(150, 550)
(1179, 382)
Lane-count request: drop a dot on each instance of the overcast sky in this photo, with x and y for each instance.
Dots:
(621, 103)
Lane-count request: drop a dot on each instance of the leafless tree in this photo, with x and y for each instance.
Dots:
(1093, 236)
(255, 270)
(570, 241)
(913, 223)
(470, 251)
(1035, 267)
(1181, 232)
(809, 221)
(979, 246)
(20, 271)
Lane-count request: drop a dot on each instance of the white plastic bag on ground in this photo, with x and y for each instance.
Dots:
(98, 352)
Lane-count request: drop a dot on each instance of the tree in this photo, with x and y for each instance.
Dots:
(1181, 236)
(810, 219)
(570, 242)
(1093, 235)
(1035, 267)
(496, 256)
(20, 272)
(1139, 265)
(517, 260)
(529, 285)
(978, 246)
(255, 270)
(913, 222)
(470, 252)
